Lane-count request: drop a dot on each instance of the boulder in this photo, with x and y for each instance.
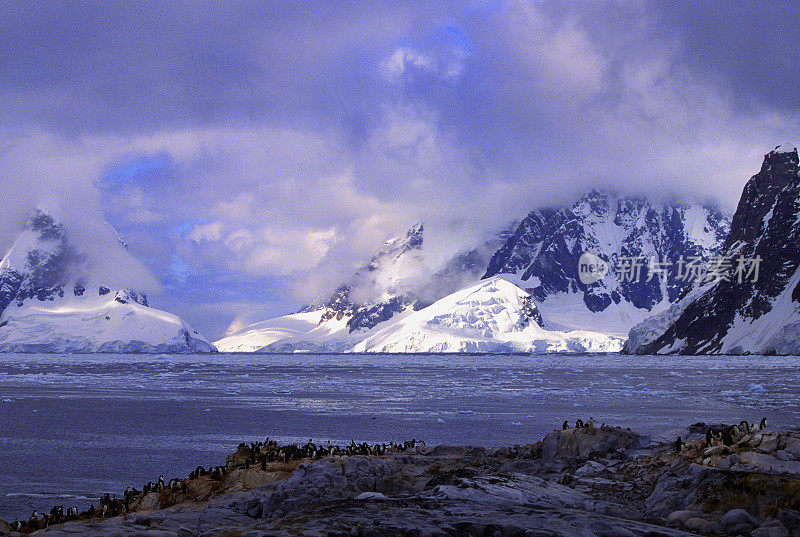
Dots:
(763, 462)
(769, 443)
(584, 441)
(678, 518)
(449, 451)
(711, 528)
(770, 530)
(735, 517)
(328, 480)
(790, 519)
(694, 523)
(739, 530)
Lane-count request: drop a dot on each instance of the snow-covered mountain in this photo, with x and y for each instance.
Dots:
(493, 315)
(542, 256)
(535, 266)
(389, 287)
(49, 302)
(738, 311)
(452, 311)
(373, 295)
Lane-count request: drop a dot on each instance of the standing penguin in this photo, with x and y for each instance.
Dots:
(763, 423)
(565, 426)
(678, 445)
(709, 437)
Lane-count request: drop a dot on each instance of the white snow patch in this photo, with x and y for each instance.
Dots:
(95, 323)
(486, 317)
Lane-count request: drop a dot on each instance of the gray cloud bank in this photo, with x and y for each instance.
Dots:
(253, 153)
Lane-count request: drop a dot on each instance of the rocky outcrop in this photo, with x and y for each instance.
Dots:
(583, 442)
(588, 481)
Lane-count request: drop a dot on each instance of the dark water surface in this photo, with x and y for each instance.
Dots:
(73, 427)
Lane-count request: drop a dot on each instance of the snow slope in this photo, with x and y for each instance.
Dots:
(259, 335)
(493, 315)
(305, 331)
(95, 323)
(370, 297)
(48, 305)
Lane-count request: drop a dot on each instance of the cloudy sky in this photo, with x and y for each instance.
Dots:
(252, 152)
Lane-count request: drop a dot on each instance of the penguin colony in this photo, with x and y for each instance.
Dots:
(259, 454)
(255, 454)
(579, 424)
(726, 435)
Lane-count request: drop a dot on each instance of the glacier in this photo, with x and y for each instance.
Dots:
(493, 316)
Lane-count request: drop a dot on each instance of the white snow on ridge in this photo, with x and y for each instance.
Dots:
(651, 328)
(785, 148)
(696, 227)
(17, 256)
(486, 317)
(774, 332)
(95, 323)
(259, 335)
(298, 331)
(50, 303)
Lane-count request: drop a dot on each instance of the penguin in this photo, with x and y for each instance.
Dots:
(565, 426)
(579, 424)
(744, 426)
(727, 439)
(590, 423)
(763, 423)
(678, 445)
(709, 437)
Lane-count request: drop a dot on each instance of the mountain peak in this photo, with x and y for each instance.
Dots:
(744, 312)
(781, 161)
(43, 222)
(785, 148)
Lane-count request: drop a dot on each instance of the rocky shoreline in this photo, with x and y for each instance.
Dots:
(578, 481)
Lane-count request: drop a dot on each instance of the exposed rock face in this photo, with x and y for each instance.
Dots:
(391, 257)
(585, 441)
(760, 315)
(391, 284)
(545, 249)
(40, 271)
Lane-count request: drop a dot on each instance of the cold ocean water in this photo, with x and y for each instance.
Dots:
(73, 427)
